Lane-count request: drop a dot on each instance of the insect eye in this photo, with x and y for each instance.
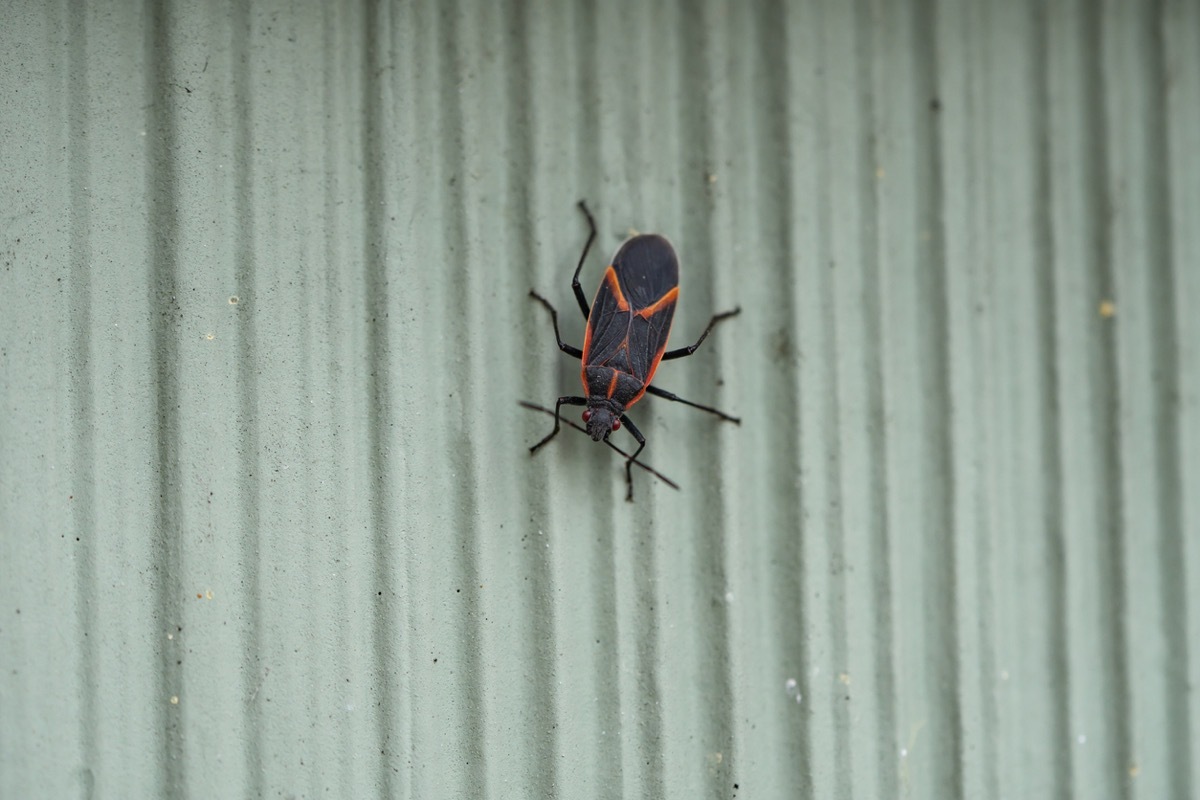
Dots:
(616, 425)
(587, 414)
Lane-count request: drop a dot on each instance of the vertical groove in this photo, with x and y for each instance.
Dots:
(880, 533)
(649, 709)
(166, 316)
(1105, 391)
(463, 449)
(542, 636)
(608, 679)
(718, 721)
(1165, 371)
(941, 568)
(1052, 453)
(83, 419)
(716, 715)
(831, 434)
(332, 100)
(780, 385)
(376, 303)
(250, 499)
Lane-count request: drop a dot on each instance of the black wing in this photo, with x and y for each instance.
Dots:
(647, 270)
(604, 344)
(634, 307)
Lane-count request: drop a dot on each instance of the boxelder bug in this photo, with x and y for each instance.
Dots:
(626, 337)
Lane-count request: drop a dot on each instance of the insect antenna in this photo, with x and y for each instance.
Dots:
(647, 467)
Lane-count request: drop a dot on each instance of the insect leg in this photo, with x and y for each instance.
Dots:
(566, 348)
(571, 401)
(663, 393)
(575, 287)
(641, 440)
(687, 351)
(581, 429)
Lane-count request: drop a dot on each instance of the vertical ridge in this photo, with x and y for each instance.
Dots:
(342, 307)
(463, 453)
(83, 419)
(880, 533)
(250, 495)
(1166, 371)
(1105, 391)
(941, 570)
(542, 636)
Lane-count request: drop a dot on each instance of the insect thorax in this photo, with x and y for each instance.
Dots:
(610, 388)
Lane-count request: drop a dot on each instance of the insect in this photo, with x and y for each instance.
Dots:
(626, 337)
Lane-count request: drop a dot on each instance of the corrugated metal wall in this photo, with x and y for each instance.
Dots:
(268, 526)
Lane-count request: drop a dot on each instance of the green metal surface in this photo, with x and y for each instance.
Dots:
(268, 525)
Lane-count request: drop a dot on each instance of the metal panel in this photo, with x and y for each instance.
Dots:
(268, 526)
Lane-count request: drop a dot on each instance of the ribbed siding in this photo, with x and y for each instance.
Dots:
(268, 525)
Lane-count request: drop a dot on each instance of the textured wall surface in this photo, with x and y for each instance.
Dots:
(268, 525)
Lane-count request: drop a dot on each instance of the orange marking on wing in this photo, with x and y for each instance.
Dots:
(647, 312)
(583, 362)
(650, 376)
(610, 277)
(659, 304)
